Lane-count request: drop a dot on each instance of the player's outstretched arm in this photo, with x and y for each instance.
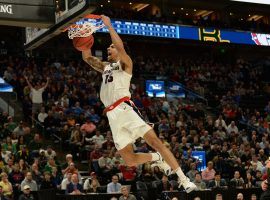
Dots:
(118, 43)
(93, 61)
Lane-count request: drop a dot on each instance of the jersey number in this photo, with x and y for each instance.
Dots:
(108, 78)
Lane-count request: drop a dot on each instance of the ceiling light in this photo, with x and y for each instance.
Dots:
(195, 10)
(182, 8)
(231, 14)
(186, 14)
(109, 1)
(130, 3)
(249, 15)
(101, 6)
(173, 13)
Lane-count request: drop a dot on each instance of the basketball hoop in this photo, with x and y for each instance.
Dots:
(85, 27)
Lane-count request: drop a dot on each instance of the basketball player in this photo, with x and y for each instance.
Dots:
(125, 123)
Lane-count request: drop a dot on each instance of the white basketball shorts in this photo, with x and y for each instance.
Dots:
(126, 125)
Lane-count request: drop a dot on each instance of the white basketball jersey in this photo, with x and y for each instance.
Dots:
(115, 84)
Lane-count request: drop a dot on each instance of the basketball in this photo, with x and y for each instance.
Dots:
(83, 43)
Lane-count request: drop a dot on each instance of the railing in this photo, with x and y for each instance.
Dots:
(228, 194)
(9, 98)
(191, 95)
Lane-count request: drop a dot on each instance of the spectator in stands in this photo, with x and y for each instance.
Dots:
(218, 182)
(192, 172)
(36, 174)
(42, 115)
(19, 130)
(2, 197)
(220, 122)
(50, 164)
(69, 159)
(114, 186)
(26, 193)
(219, 197)
(117, 157)
(199, 182)
(36, 96)
(76, 142)
(163, 126)
(209, 173)
(164, 185)
(250, 182)
(50, 153)
(34, 146)
(88, 127)
(253, 197)
(30, 182)
(77, 110)
(73, 169)
(267, 108)
(125, 194)
(15, 178)
(240, 196)
(74, 187)
(94, 157)
(258, 178)
(98, 139)
(157, 173)
(232, 128)
(105, 164)
(10, 125)
(7, 189)
(257, 163)
(66, 181)
(47, 182)
(91, 184)
(129, 173)
(237, 181)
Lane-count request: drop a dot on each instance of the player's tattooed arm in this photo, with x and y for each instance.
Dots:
(93, 61)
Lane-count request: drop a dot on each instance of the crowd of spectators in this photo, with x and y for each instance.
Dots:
(228, 22)
(71, 112)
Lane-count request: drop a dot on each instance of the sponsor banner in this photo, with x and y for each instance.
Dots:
(14, 12)
(187, 32)
(175, 89)
(30, 2)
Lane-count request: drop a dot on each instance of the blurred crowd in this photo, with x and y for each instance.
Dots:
(212, 20)
(61, 104)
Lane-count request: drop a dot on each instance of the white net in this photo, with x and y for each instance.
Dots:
(83, 30)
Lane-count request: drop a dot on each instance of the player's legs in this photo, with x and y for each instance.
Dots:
(134, 159)
(152, 140)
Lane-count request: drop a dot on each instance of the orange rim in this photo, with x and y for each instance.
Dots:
(89, 16)
(92, 16)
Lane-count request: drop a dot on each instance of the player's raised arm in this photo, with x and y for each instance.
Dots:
(118, 44)
(93, 61)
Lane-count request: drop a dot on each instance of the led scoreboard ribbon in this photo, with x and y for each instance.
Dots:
(185, 32)
(144, 29)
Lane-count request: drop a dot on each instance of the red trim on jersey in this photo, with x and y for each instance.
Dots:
(115, 104)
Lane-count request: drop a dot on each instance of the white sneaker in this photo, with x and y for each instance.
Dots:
(188, 185)
(164, 165)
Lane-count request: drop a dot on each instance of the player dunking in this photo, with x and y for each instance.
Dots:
(125, 123)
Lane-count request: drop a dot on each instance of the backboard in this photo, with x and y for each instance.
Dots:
(67, 13)
(27, 13)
